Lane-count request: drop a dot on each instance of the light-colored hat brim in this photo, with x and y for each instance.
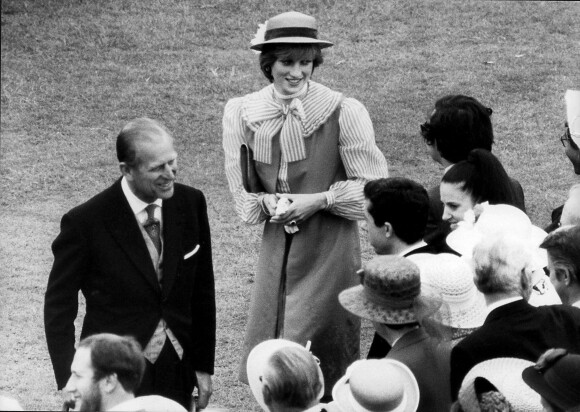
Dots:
(341, 390)
(292, 40)
(506, 375)
(354, 300)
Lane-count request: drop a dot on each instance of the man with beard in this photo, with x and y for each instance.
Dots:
(105, 373)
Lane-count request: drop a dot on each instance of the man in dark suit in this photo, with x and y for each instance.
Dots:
(513, 328)
(140, 252)
(396, 216)
(458, 125)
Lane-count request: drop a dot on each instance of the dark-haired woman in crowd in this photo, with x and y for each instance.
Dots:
(457, 125)
(478, 179)
(316, 149)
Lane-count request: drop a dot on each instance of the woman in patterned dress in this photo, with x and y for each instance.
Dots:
(316, 148)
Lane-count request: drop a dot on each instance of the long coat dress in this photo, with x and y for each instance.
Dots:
(300, 275)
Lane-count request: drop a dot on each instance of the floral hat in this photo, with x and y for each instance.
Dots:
(377, 385)
(290, 27)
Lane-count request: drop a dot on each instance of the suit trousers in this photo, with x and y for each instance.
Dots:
(169, 376)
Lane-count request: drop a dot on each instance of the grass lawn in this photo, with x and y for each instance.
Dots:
(74, 71)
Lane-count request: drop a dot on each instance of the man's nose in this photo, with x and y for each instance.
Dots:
(170, 172)
(69, 386)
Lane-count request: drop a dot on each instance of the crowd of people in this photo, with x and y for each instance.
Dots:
(474, 307)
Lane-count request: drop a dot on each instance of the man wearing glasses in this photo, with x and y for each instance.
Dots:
(571, 142)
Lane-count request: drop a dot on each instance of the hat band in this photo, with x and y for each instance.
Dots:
(388, 302)
(291, 32)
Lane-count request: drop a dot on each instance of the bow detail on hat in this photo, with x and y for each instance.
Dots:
(290, 119)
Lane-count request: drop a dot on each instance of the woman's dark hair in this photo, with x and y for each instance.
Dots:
(483, 177)
(459, 125)
(285, 51)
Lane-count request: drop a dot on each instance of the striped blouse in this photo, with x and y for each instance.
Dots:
(362, 159)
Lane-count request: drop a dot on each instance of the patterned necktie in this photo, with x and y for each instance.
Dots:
(152, 227)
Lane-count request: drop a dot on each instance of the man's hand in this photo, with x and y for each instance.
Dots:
(204, 388)
(303, 206)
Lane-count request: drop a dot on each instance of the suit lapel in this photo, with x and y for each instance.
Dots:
(172, 234)
(125, 230)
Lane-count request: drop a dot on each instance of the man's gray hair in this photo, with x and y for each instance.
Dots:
(503, 264)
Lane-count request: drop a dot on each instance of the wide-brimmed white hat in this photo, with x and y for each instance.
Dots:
(451, 277)
(257, 363)
(506, 375)
(493, 220)
(291, 27)
(377, 385)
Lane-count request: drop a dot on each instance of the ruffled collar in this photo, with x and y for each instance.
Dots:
(265, 116)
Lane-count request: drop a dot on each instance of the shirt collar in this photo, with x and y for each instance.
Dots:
(137, 205)
(414, 246)
(502, 302)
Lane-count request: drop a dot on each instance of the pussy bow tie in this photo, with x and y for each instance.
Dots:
(290, 118)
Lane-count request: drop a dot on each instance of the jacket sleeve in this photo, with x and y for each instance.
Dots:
(203, 301)
(61, 298)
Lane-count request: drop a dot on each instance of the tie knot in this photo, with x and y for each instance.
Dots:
(150, 209)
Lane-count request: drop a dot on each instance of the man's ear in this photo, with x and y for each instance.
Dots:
(388, 230)
(125, 170)
(109, 383)
(563, 274)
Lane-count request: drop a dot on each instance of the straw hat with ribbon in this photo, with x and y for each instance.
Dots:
(291, 28)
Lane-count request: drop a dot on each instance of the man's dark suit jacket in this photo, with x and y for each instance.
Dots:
(516, 330)
(429, 362)
(437, 230)
(101, 251)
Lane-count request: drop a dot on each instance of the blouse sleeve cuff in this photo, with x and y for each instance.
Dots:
(330, 199)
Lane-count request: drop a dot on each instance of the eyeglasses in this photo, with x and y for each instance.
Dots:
(566, 137)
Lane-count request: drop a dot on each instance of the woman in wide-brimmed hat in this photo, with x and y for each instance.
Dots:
(299, 141)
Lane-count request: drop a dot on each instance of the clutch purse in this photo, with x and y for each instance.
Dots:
(250, 178)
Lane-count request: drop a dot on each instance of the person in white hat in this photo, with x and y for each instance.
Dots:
(376, 385)
(390, 296)
(451, 277)
(570, 139)
(285, 377)
(513, 327)
(563, 246)
(497, 384)
(299, 140)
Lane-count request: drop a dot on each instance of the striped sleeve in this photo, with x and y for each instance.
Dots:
(362, 160)
(247, 205)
